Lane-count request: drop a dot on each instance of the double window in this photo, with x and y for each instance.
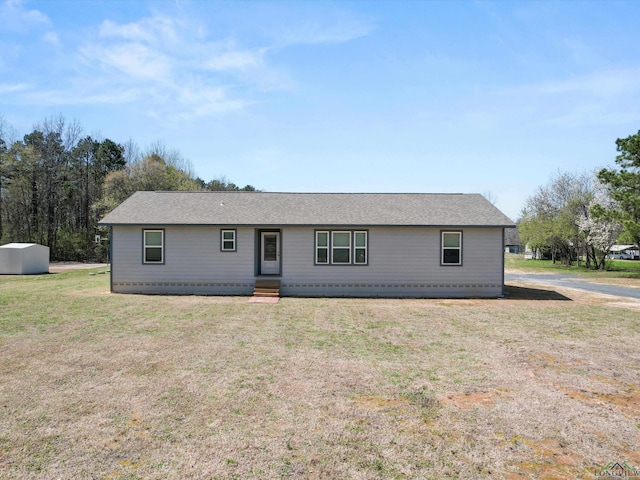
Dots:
(153, 246)
(451, 253)
(341, 247)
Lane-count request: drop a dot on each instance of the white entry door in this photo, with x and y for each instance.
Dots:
(270, 254)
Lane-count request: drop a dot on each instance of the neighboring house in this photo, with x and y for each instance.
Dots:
(533, 253)
(310, 244)
(23, 259)
(624, 252)
(512, 242)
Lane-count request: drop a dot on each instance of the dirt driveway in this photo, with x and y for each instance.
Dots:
(57, 267)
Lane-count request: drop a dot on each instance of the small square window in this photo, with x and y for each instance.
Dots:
(228, 240)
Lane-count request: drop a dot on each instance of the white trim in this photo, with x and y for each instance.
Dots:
(269, 267)
(356, 247)
(341, 247)
(225, 240)
(443, 247)
(324, 247)
(145, 246)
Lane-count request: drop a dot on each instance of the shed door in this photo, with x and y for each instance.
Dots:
(270, 253)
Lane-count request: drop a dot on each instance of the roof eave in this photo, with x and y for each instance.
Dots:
(281, 225)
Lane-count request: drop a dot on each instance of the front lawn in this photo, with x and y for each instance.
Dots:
(106, 386)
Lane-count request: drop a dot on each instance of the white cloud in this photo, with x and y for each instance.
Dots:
(52, 39)
(201, 101)
(235, 59)
(16, 18)
(12, 88)
(184, 76)
(133, 60)
(609, 83)
(62, 97)
(149, 30)
(343, 30)
(169, 66)
(604, 97)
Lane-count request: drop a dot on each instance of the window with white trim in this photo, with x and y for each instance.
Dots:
(322, 248)
(341, 247)
(451, 248)
(360, 247)
(228, 240)
(153, 246)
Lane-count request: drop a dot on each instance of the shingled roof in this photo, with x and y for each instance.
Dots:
(327, 209)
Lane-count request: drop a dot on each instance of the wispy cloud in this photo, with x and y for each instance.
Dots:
(607, 96)
(171, 64)
(66, 97)
(316, 33)
(15, 17)
(606, 83)
(52, 38)
(13, 88)
(132, 61)
(230, 58)
(174, 69)
(149, 30)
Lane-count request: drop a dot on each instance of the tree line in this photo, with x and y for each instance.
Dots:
(582, 215)
(56, 183)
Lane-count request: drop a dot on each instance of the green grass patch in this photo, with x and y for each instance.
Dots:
(613, 268)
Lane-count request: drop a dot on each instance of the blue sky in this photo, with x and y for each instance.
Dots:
(404, 96)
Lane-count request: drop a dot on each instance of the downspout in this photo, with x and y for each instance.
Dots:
(110, 259)
(503, 245)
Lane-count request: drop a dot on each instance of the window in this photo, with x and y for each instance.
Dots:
(451, 248)
(341, 247)
(322, 247)
(153, 246)
(228, 240)
(360, 256)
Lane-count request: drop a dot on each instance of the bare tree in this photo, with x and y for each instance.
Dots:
(489, 195)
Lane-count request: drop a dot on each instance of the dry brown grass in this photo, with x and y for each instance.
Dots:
(94, 385)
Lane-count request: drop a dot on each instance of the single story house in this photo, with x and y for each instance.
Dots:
(308, 244)
(24, 259)
(512, 242)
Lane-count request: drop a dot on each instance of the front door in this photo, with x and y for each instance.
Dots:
(270, 253)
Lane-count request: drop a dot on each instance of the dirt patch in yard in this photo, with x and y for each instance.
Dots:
(465, 401)
(58, 267)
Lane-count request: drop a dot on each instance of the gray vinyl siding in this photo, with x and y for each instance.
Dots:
(402, 262)
(193, 262)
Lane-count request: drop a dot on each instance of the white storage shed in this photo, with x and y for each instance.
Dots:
(23, 259)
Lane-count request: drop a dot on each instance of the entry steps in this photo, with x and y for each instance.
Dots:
(267, 288)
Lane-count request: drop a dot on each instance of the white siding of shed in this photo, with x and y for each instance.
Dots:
(24, 259)
(403, 262)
